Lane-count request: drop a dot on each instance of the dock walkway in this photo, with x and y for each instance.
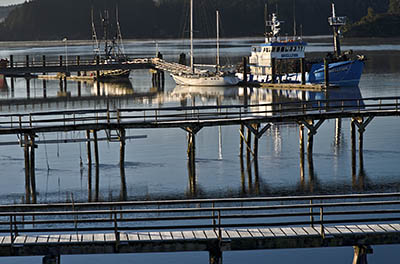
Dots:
(213, 225)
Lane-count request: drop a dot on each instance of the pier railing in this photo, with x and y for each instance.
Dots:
(234, 213)
(174, 116)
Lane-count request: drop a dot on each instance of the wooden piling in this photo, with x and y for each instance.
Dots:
(241, 132)
(89, 161)
(11, 61)
(12, 87)
(97, 165)
(44, 88)
(27, 61)
(32, 168)
(27, 170)
(310, 140)
(255, 146)
(44, 63)
(28, 88)
(192, 161)
(61, 60)
(248, 153)
(244, 70)
(326, 72)
(78, 62)
(98, 71)
(273, 68)
(353, 150)
(360, 254)
(303, 71)
(215, 255)
(361, 139)
(301, 139)
(124, 194)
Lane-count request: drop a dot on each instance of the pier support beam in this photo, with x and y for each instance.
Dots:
(51, 259)
(312, 130)
(32, 168)
(124, 193)
(191, 152)
(97, 165)
(30, 179)
(360, 254)
(301, 142)
(251, 129)
(215, 255)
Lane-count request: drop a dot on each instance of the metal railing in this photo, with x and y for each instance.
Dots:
(210, 114)
(218, 214)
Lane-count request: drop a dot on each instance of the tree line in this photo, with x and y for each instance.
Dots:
(56, 19)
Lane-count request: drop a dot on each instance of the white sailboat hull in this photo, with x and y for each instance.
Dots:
(197, 80)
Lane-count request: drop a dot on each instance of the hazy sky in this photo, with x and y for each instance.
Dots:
(10, 2)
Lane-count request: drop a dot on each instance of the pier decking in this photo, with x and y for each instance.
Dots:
(213, 225)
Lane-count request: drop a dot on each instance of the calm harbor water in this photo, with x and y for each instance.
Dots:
(156, 167)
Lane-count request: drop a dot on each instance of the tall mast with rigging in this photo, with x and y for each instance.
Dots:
(218, 57)
(191, 37)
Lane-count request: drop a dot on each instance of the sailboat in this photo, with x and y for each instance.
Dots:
(113, 51)
(204, 77)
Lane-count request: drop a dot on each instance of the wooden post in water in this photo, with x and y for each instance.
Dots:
(44, 88)
(32, 168)
(241, 134)
(44, 63)
(27, 61)
(89, 161)
(11, 61)
(326, 72)
(353, 151)
(97, 164)
(310, 139)
(98, 71)
(273, 68)
(360, 254)
(79, 88)
(303, 71)
(27, 170)
(28, 88)
(122, 136)
(78, 62)
(215, 255)
(12, 86)
(244, 70)
(255, 147)
(248, 153)
(61, 60)
(301, 139)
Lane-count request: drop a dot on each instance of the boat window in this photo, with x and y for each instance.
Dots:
(273, 49)
(295, 48)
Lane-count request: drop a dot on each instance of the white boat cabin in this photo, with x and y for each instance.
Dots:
(262, 55)
(275, 47)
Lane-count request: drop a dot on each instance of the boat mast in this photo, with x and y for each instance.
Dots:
(121, 43)
(191, 37)
(336, 22)
(218, 57)
(94, 36)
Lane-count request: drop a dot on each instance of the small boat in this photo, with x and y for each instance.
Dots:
(278, 60)
(113, 52)
(204, 77)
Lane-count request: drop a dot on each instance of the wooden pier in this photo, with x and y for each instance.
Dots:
(213, 225)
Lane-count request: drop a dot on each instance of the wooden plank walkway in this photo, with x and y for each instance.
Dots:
(200, 240)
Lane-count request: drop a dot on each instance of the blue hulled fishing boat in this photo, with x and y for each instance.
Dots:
(280, 59)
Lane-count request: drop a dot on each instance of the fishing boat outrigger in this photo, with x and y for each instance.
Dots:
(280, 59)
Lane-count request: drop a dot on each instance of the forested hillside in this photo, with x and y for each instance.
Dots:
(56, 19)
(377, 24)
